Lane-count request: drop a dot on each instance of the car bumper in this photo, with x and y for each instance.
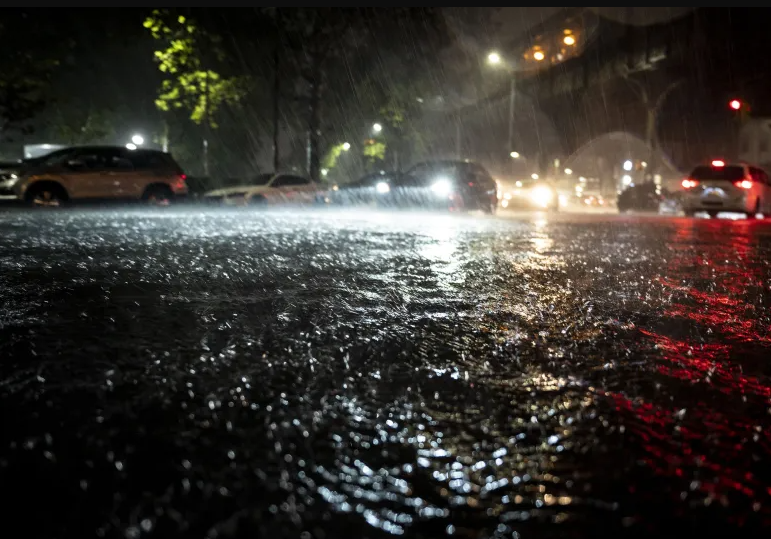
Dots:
(695, 203)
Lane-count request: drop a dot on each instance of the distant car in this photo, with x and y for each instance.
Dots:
(453, 185)
(641, 197)
(531, 194)
(726, 187)
(268, 189)
(95, 172)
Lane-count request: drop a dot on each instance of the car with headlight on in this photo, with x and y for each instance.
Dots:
(448, 184)
(268, 189)
(726, 187)
(531, 194)
(370, 190)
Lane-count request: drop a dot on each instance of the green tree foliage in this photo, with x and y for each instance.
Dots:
(190, 85)
(73, 125)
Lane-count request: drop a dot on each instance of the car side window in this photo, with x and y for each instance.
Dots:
(290, 181)
(91, 161)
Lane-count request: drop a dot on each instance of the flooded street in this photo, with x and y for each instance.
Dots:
(360, 374)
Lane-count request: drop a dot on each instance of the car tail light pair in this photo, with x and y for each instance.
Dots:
(688, 183)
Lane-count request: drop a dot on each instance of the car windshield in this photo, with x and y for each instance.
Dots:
(729, 173)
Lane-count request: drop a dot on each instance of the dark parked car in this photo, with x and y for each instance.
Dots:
(641, 197)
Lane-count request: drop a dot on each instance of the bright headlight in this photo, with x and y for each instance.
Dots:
(442, 186)
(382, 187)
(541, 196)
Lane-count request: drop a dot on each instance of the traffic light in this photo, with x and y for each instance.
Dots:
(735, 104)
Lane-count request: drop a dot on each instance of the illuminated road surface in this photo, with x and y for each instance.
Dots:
(363, 374)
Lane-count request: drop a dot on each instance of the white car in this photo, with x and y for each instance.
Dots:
(727, 187)
(268, 189)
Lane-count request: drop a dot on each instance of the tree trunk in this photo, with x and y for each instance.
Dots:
(276, 95)
(314, 121)
(206, 125)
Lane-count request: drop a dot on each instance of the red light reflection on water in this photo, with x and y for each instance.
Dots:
(713, 331)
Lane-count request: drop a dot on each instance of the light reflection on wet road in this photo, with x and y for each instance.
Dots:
(353, 374)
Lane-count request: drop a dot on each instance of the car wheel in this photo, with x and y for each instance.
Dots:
(712, 214)
(46, 195)
(489, 208)
(754, 215)
(158, 195)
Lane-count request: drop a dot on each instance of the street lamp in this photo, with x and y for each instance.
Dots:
(346, 146)
(514, 155)
(538, 55)
(138, 140)
(568, 171)
(628, 165)
(495, 59)
(377, 128)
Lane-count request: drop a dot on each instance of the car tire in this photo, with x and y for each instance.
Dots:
(489, 208)
(754, 215)
(46, 195)
(158, 195)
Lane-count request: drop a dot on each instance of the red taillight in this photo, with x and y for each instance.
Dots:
(180, 183)
(689, 183)
(744, 184)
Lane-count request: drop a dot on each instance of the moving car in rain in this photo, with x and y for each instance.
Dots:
(95, 172)
(452, 185)
(531, 194)
(370, 190)
(726, 187)
(268, 189)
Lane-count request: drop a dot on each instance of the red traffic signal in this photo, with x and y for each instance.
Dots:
(735, 104)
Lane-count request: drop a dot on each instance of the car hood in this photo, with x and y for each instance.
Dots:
(241, 190)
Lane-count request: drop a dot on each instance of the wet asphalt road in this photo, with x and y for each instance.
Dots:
(361, 374)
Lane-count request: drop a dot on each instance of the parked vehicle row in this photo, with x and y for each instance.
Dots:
(113, 172)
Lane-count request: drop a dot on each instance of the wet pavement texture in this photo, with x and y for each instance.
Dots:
(177, 373)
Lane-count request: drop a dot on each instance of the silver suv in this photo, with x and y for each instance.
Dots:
(96, 172)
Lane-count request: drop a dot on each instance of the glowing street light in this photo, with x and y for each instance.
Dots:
(568, 171)
(628, 165)
(346, 146)
(539, 55)
(138, 140)
(514, 155)
(377, 128)
(494, 58)
(534, 176)
(569, 40)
